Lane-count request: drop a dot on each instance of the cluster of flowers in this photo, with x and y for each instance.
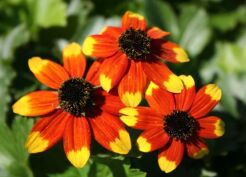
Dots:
(129, 67)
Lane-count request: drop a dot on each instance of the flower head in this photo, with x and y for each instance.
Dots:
(175, 122)
(131, 55)
(75, 109)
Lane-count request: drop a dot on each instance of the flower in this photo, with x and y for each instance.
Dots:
(74, 110)
(176, 122)
(131, 55)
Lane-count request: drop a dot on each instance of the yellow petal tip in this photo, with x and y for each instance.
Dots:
(173, 84)
(79, 157)
(213, 91)
(122, 144)
(188, 81)
(166, 165)
(181, 55)
(72, 49)
(152, 86)
(198, 155)
(143, 144)
(106, 82)
(131, 99)
(219, 128)
(88, 46)
(35, 143)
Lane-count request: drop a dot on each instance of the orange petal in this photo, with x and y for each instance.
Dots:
(205, 100)
(76, 140)
(112, 31)
(185, 99)
(109, 131)
(100, 46)
(170, 156)
(112, 71)
(74, 60)
(48, 72)
(93, 73)
(170, 51)
(133, 20)
(141, 118)
(110, 102)
(197, 149)
(160, 100)
(211, 127)
(133, 84)
(156, 33)
(152, 139)
(36, 103)
(160, 74)
(47, 131)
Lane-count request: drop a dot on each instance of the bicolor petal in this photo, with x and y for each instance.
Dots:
(133, 84)
(206, 99)
(76, 140)
(74, 60)
(36, 103)
(156, 33)
(47, 131)
(48, 72)
(133, 20)
(170, 156)
(185, 99)
(160, 74)
(112, 71)
(93, 73)
(197, 149)
(169, 51)
(100, 46)
(211, 127)
(152, 139)
(109, 131)
(159, 99)
(142, 118)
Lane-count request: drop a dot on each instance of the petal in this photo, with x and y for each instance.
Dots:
(109, 131)
(112, 31)
(160, 74)
(169, 51)
(133, 84)
(110, 103)
(112, 71)
(47, 131)
(36, 103)
(93, 73)
(48, 72)
(205, 100)
(74, 60)
(156, 33)
(211, 127)
(185, 99)
(133, 20)
(152, 139)
(101, 46)
(160, 100)
(141, 118)
(197, 149)
(170, 156)
(76, 140)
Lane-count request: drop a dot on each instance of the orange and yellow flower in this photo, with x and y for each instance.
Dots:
(176, 122)
(132, 55)
(73, 110)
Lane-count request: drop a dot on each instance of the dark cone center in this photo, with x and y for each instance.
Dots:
(75, 96)
(180, 125)
(135, 44)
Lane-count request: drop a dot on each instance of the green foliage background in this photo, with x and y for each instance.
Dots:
(212, 31)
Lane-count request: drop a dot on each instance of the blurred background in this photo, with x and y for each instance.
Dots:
(212, 31)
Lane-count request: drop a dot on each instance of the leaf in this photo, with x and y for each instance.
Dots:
(13, 156)
(47, 13)
(228, 67)
(195, 31)
(159, 13)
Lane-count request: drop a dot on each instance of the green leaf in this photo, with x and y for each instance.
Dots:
(13, 156)
(195, 31)
(159, 13)
(47, 13)
(228, 66)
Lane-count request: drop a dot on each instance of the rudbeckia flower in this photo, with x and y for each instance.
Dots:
(175, 123)
(131, 55)
(73, 111)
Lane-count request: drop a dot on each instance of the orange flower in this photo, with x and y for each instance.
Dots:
(176, 122)
(73, 110)
(133, 53)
